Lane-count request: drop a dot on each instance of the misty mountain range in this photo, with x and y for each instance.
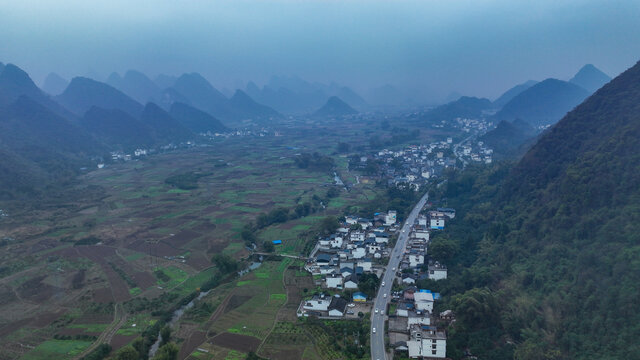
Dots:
(89, 118)
(522, 109)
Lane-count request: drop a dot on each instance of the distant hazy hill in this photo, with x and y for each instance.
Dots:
(286, 100)
(513, 92)
(349, 96)
(165, 81)
(590, 78)
(465, 107)
(29, 124)
(117, 128)
(195, 120)
(39, 146)
(246, 107)
(335, 107)
(170, 96)
(293, 95)
(136, 85)
(54, 84)
(164, 127)
(507, 137)
(14, 83)
(387, 95)
(202, 94)
(83, 93)
(544, 103)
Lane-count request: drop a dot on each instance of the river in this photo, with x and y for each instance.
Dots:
(178, 313)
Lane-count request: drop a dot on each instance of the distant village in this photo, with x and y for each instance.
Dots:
(361, 248)
(121, 156)
(415, 165)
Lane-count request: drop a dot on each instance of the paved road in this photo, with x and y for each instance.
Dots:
(377, 320)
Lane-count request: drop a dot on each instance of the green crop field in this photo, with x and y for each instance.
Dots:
(57, 349)
(144, 224)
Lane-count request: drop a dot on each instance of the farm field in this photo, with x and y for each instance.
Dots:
(142, 234)
(128, 234)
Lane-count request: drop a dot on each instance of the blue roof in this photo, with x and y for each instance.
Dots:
(436, 296)
(277, 242)
(359, 295)
(323, 257)
(425, 291)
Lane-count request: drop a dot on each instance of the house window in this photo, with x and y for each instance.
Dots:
(433, 352)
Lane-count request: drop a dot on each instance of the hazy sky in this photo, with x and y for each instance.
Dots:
(475, 47)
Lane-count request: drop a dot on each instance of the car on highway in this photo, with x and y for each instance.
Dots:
(383, 283)
(373, 330)
(394, 269)
(377, 310)
(384, 295)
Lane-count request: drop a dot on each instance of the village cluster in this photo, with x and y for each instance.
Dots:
(262, 132)
(415, 165)
(361, 248)
(477, 152)
(120, 156)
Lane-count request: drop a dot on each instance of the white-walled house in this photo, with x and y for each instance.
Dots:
(382, 238)
(350, 282)
(338, 307)
(415, 319)
(346, 271)
(421, 234)
(356, 236)
(437, 223)
(365, 264)
(429, 344)
(373, 248)
(423, 301)
(437, 272)
(334, 281)
(317, 303)
(390, 218)
(408, 279)
(336, 242)
(416, 260)
(358, 253)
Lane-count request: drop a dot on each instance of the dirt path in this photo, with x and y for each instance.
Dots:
(277, 317)
(119, 319)
(216, 314)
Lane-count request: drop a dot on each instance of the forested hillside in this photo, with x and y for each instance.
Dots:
(548, 251)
